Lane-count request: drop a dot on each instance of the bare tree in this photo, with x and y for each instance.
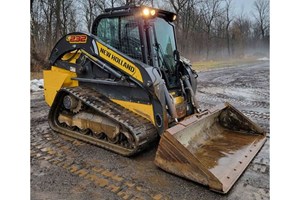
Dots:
(210, 10)
(261, 15)
(241, 33)
(91, 9)
(178, 5)
(50, 19)
(229, 19)
(36, 55)
(134, 2)
(68, 15)
(189, 16)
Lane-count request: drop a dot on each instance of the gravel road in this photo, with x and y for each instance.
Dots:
(64, 168)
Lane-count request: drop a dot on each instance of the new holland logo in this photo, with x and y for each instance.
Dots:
(75, 39)
(118, 60)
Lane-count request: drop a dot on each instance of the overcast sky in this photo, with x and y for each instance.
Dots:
(247, 5)
(238, 5)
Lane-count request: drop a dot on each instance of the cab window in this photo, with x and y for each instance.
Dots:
(121, 33)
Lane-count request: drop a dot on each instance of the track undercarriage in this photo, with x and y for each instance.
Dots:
(84, 114)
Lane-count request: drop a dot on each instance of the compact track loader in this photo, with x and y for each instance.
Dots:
(124, 86)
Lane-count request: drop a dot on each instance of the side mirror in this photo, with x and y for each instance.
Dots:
(176, 55)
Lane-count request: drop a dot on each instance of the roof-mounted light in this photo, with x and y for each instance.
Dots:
(149, 12)
(146, 12)
(174, 17)
(152, 12)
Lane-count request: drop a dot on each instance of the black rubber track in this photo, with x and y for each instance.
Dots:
(142, 130)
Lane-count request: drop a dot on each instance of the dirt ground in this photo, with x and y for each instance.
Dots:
(64, 168)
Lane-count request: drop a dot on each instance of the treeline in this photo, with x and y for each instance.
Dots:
(205, 29)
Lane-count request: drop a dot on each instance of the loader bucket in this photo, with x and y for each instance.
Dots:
(212, 148)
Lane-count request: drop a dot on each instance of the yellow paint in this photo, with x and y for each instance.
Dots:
(119, 61)
(68, 56)
(178, 100)
(55, 79)
(89, 55)
(144, 110)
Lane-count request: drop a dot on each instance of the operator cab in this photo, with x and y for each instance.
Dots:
(144, 34)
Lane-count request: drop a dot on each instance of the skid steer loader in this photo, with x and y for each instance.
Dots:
(124, 85)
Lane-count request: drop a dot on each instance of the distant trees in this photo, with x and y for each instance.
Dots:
(205, 29)
(262, 17)
(90, 10)
(228, 19)
(210, 11)
(262, 21)
(241, 34)
(210, 28)
(50, 19)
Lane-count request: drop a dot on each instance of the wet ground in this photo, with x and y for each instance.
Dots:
(64, 168)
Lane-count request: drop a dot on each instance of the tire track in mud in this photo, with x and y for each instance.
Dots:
(67, 155)
(221, 98)
(265, 116)
(250, 192)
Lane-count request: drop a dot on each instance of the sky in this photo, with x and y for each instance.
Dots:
(247, 5)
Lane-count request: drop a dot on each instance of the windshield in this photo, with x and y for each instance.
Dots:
(165, 43)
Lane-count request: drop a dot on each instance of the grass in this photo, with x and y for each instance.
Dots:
(214, 64)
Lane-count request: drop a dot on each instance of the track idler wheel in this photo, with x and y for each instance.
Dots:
(71, 103)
